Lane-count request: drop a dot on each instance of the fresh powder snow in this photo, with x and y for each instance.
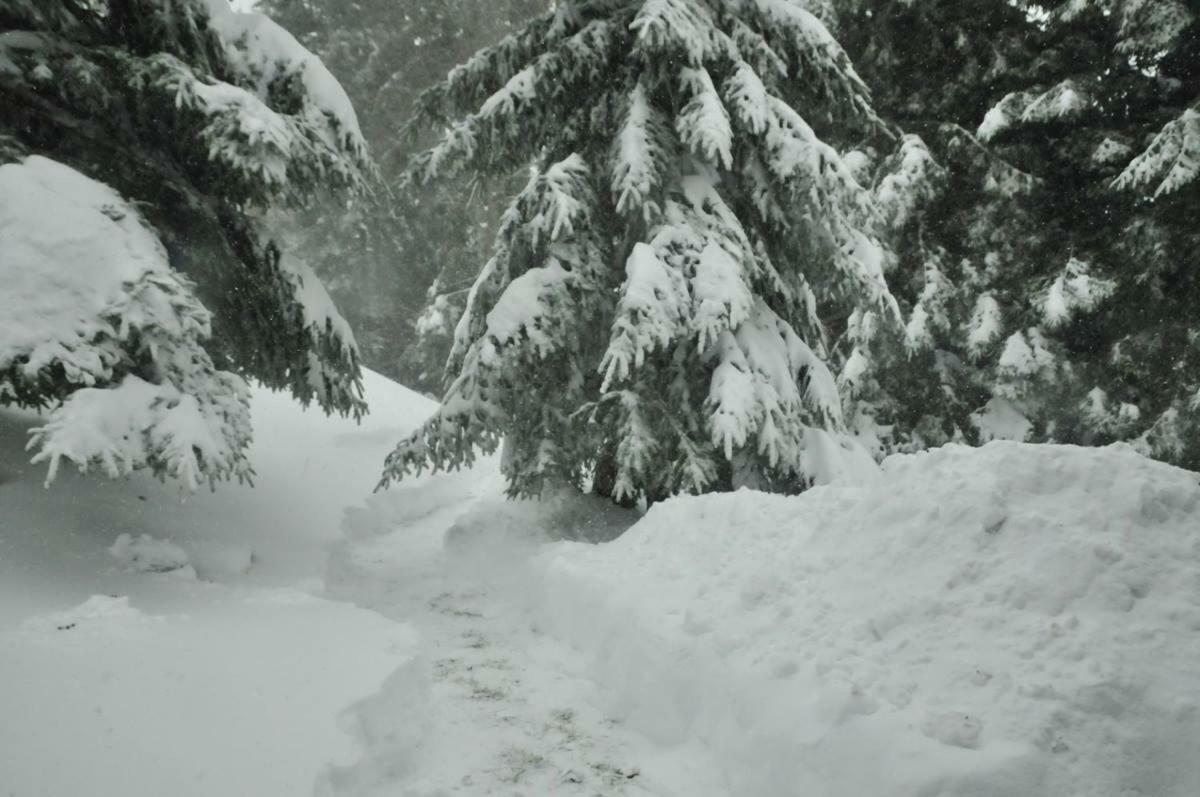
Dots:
(1010, 620)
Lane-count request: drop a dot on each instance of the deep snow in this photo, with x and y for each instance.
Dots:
(153, 642)
(1016, 621)
(1012, 620)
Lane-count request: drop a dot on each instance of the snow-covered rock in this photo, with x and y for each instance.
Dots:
(145, 554)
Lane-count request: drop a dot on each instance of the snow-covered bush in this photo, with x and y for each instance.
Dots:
(139, 139)
(650, 321)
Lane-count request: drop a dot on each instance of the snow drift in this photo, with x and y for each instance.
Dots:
(154, 642)
(1011, 621)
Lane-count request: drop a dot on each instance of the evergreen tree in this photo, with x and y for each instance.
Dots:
(140, 143)
(425, 358)
(1058, 231)
(667, 293)
(379, 254)
(1111, 133)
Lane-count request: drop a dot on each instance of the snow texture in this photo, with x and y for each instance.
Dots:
(146, 554)
(1011, 621)
(151, 645)
(89, 295)
(71, 246)
(266, 52)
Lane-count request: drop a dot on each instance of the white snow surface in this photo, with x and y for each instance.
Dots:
(1012, 620)
(154, 642)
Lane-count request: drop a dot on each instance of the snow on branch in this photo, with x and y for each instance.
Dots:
(558, 201)
(911, 179)
(528, 310)
(703, 123)
(985, 326)
(1073, 292)
(1063, 102)
(1172, 160)
(1003, 114)
(93, 314)
(266, 55)
(136, 424)
(1153, 26)
(803, 41)
(640, 156)
(651, 314)
(769, 385)
(682, 27)
(744, 90)
(551, 80)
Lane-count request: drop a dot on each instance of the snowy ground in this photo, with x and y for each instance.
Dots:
(491, 704)
(298, 637)
(1014, 621)
(195, 656)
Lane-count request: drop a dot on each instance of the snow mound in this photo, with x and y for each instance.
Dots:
(145, 554)
(1010, 621)
(104, 612)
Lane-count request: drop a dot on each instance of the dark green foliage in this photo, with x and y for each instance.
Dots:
(1084, 163)
(380, 254)
(204, 125)
(650, 321)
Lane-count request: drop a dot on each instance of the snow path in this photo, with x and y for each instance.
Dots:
(490, 705)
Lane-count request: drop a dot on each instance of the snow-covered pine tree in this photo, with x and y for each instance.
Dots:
(378, 254)
(1108, 127)
(139, 141)
(1061, 233)
(651, 320)
(933, 67)
(425, 358)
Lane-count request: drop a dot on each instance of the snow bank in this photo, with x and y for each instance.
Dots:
(1011, 621)
(154, 642)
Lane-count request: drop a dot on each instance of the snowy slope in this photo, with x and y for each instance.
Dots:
(1016, 621)
(202, 659)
